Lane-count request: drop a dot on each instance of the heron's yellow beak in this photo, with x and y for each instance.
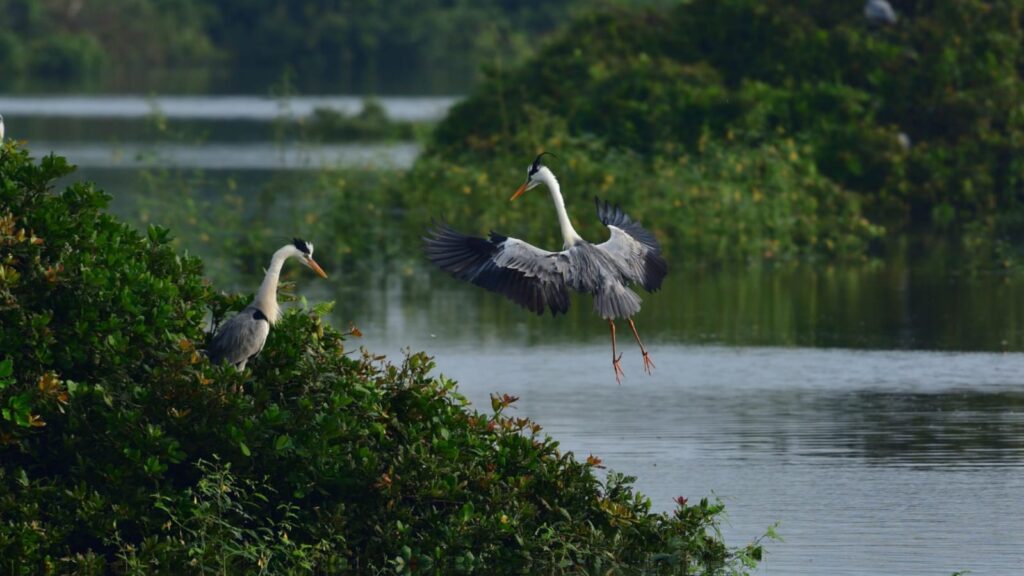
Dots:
(316, 268)
(519, 192)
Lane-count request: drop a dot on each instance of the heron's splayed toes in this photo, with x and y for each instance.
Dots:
(617, 366)
(648, 363)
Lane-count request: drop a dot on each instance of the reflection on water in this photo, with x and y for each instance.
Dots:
(235, 156)
(899, 304)
(259, 108)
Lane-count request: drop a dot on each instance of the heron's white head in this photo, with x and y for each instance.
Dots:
(535, 174)
(303, 250)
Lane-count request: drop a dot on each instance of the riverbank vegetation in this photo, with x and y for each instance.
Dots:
(122, 450)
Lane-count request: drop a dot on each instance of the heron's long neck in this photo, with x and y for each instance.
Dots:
(569, 235)
(266, 298)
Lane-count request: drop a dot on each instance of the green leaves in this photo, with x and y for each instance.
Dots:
(19, 411)
(158, 235)
(6, 370)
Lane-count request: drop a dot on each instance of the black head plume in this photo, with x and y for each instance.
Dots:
(303, 246)
(536, 163)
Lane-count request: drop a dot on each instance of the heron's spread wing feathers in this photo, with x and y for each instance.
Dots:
(240, 338)
(527, 275)
(633, 247)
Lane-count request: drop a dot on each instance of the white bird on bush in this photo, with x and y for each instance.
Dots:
(879, 12)
(243, 336)
(1, 127)
(537, 279)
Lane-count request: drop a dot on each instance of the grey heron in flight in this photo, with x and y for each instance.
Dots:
(879, 12)
(537, 279)
(243, 336)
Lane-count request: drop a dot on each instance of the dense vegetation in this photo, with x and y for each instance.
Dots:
(122, 450)
(756, 128)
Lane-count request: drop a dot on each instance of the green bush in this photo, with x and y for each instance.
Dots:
(123, 450)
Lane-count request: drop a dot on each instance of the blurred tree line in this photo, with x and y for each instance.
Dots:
(350, 39)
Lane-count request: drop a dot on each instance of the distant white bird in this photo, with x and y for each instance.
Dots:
(537, 279)
(904, 140)
(879, 12)
(244, 335)
(1, 127)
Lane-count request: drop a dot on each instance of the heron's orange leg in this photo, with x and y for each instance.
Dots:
(648, 363)
(615, 357)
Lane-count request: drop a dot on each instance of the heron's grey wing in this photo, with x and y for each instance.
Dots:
(241, 337)
(633, 247)
(533, 278)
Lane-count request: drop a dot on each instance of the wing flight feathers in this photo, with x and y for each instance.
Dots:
(521, 272)
(633, 247)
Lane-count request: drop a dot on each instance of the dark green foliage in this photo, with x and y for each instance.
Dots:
(122, 450)
(737, 74)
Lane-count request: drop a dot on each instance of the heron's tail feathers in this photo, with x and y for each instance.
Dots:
(616, 301)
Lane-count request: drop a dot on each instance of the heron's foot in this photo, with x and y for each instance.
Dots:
(618, 369)
(648, 363)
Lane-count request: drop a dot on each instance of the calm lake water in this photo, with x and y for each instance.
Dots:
(875, 412)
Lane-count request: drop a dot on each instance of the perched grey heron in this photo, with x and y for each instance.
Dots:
(879, 12)
(537, 279)
(244, 335)
(1, 127)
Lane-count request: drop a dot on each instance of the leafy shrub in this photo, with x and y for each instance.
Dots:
(123, 450)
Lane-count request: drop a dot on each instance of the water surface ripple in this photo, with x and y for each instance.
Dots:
(872, 462)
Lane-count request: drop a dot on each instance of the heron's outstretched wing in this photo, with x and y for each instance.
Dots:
(633, 247)
(533, 278)
(240, 338)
